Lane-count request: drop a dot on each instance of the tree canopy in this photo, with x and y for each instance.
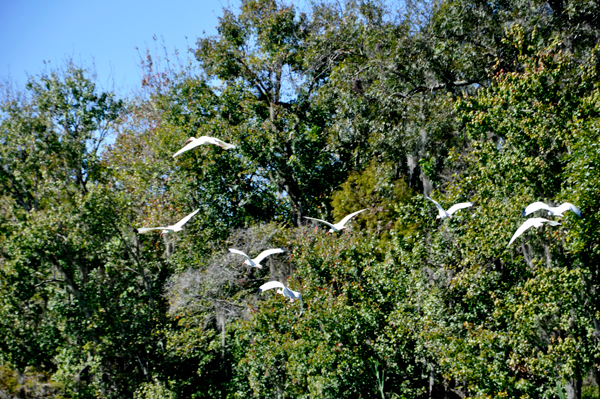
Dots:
(332, 108)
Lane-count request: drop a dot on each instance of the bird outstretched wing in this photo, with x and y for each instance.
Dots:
(271, 285)
(222, 144)
(456, 207)
(266, 253)
(536, 206)
(185, 219)
(194, 142)
(147, 229)
(322, 221)
(350, 216)
(533, 222)
(437, 205)
(559, 210)
(237, 251)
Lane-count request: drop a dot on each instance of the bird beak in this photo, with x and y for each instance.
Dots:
(190, 139)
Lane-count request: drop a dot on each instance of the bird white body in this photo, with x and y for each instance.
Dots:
(281, 289)
(170, 229)
(533, 222)
(195, 142)
(256, 261)
(442, 213)
(552, 210)
(340, 225)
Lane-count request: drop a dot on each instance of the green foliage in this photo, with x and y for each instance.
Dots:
(511, 320)
(590, 392)
(375, 189)
(337, 346)
(78, 294)
(154, 390)
(28, 383)
(266, 96)
(345, 106)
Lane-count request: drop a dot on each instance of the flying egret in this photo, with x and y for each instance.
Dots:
(448, 214)
(533, 222)
(195, 142)
(256, 261)
(170, 229)
(341, 224)
(552, 210)
(281, 289)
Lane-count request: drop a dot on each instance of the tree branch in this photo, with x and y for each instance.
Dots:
(420, 89)
(53, 280)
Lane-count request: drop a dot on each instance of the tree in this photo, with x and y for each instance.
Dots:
(258, 66)
(394, 73)
(337, 347)
(513, 320)
(77, 296)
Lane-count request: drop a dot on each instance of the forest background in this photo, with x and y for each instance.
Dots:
(351, 105)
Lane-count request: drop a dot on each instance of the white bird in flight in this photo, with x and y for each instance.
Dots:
(170, 229)
(195, 142)
(256, 261)
(448, 214)
(533, 222)
(281, 289)
(339, 225)
(552, 210)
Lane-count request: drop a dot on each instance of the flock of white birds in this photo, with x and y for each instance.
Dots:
(335, 227)
(529, 223)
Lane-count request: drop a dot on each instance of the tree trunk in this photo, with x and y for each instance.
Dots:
(286, 183)
(431, 380)
(574, 388)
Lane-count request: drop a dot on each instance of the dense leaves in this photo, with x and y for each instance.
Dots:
(332, 109)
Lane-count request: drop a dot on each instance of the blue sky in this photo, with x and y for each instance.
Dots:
(101, 33)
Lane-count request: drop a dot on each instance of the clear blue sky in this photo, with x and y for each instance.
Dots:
(101, 33)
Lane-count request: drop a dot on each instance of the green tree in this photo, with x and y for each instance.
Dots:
(261, 75)
(518, 320)
(375, 189)
(394, 71)
(337, 346)
(79, 295)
